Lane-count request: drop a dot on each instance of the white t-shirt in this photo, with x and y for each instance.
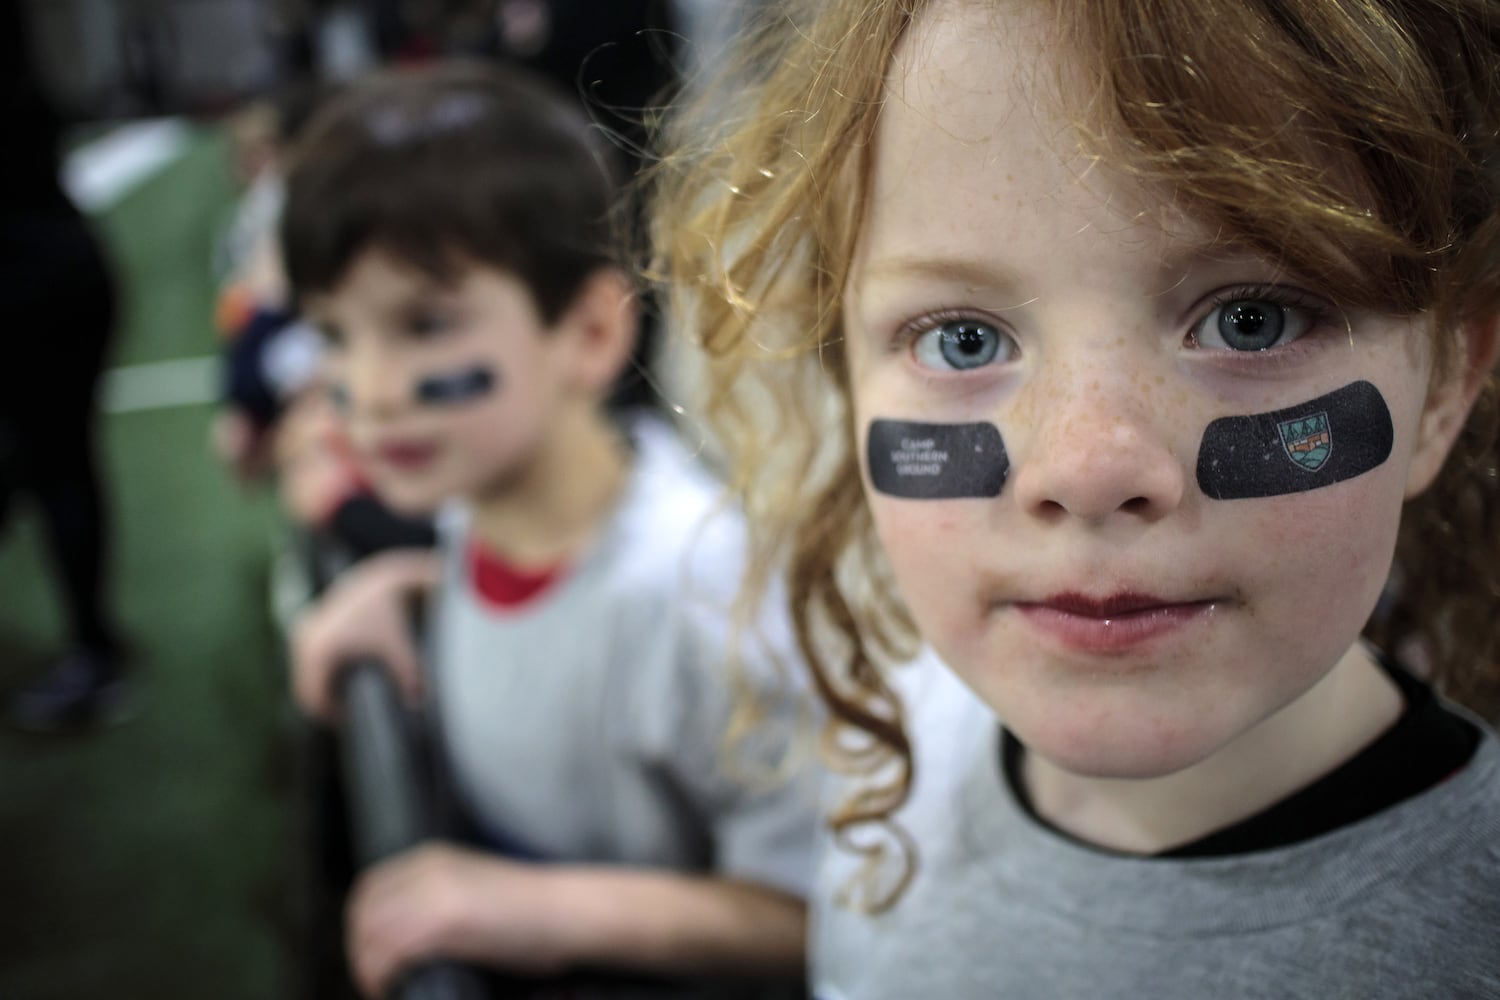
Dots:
(588, 723)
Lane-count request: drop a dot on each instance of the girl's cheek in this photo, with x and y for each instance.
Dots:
(1355, 522)
(930, 544)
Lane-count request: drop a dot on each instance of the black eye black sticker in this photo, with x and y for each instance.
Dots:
(920, 461)
(1318, 443)
(455, 388)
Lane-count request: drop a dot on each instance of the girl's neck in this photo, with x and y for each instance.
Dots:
(551, 508)
(1307, 739)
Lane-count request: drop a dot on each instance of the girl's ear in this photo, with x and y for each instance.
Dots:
(1450, 399)
(601, 328)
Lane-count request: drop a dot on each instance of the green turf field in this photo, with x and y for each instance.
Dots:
(152, 860)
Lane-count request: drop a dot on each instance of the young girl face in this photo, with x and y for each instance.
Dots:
(1094, 584)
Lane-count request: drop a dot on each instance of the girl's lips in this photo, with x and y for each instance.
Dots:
(1117, 623)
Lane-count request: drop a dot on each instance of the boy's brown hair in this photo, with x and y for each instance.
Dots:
(1355, 143)
(459, 164)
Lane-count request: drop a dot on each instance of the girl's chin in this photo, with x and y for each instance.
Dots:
(1126, 722)
(1132, 751)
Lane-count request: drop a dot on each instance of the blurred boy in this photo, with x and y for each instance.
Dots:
(450, 233)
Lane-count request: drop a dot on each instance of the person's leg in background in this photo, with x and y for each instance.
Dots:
(52, 418)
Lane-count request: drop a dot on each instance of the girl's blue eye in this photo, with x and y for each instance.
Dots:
(1251, 324)
(961, 345)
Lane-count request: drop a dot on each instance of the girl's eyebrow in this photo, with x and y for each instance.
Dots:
(1184, 254)
(963, 270)
(1180, 258)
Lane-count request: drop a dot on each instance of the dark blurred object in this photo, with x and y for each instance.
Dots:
(111, 59)
(620, 59)
(367, 526)
(388, 804)
(58, 299)
(379, 800)
(617, 56)
(251, 381)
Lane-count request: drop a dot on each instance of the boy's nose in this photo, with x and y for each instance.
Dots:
(1098, 450)
(375, 386)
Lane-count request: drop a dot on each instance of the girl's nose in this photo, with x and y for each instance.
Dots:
(1097, 451)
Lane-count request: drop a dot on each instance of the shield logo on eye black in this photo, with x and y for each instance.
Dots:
(1307, 440)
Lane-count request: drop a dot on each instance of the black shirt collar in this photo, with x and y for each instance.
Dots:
(1423, 747)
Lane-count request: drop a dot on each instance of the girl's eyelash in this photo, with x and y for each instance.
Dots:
(1319, 313)
(909, 331)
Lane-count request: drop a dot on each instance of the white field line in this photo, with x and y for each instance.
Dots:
(160, 385)
(101, 172)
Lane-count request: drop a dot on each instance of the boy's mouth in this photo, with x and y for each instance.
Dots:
(405, 456)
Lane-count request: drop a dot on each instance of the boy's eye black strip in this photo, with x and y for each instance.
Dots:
(455, 388)
(1326, 440)
(923, 461)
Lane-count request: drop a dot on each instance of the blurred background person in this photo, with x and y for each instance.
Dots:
(579, 619)
(57, 294)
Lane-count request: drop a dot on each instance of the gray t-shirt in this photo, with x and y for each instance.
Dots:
(1403, 904)
(587, 724)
